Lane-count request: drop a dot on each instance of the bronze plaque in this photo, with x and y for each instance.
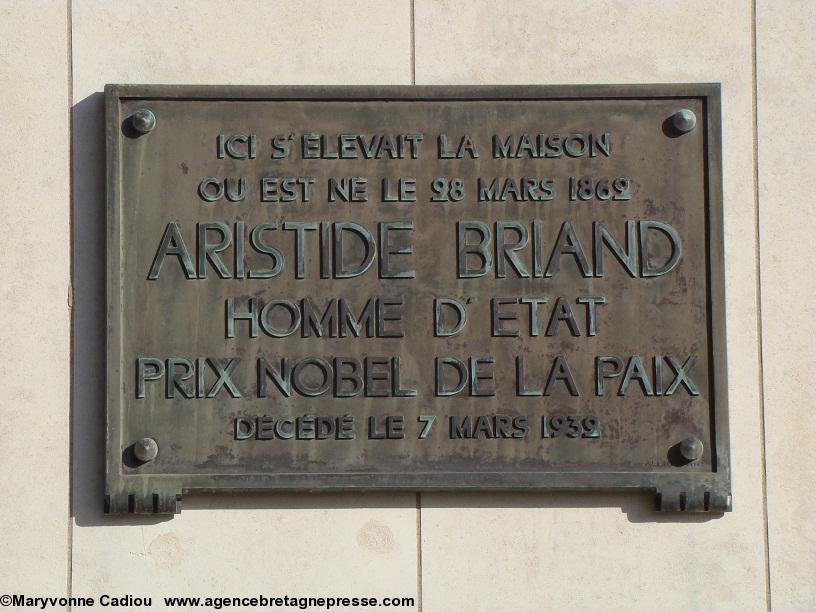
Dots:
(415, 288)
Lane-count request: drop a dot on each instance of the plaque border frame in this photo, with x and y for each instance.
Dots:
(680, 491)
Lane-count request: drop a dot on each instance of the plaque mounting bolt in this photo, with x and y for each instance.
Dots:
(146, 449)
(691, 449)
(143, 120)
(684, 120)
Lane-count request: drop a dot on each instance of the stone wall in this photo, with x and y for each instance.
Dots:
(450, 551)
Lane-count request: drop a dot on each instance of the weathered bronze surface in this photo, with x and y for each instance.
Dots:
(592, 354)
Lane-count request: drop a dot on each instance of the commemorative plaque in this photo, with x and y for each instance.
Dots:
(415, 288)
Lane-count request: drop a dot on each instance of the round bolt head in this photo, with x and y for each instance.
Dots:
(146, 449)
(684, 120)
(691, 449)
(143, 120)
